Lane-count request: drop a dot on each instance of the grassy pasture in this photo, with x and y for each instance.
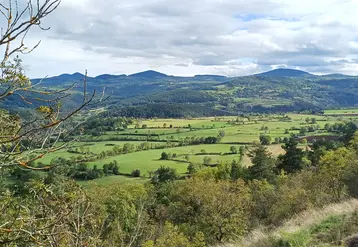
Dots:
(94, 147)
(347, 111)
(150, 160)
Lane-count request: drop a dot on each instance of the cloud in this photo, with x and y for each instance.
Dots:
(230, 37)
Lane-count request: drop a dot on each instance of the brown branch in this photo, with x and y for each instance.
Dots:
(16, 27)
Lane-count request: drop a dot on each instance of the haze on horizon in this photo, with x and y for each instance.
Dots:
(227, 37)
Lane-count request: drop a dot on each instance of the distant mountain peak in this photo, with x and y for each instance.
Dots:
(74, 76)
(149, 74)
(77, 74)
(285, 73)
(109, 76)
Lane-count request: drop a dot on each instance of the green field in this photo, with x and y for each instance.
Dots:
(341, 111)
(238, 131)
(150, 160)
(94, 147)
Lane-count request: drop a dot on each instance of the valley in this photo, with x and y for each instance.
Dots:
(144, 140)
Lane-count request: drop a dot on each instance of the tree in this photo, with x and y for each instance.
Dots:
(265, 139)
(150, 173)
(135, 173)
(115, 169)
(237, 171)
(328, 127)
(233, 150)
(192, 168)
(207, 160)
(164, 156)
(334, 167)
(242, 151)
(48, 214)
(263, 198)
(211, 140)
(292, 160)
(221, 134)
(123, 213)
(303, 141)
(218, 209)
(42, 132)
(106, 169)
(172, 237)
(263, 164)
(164, 175)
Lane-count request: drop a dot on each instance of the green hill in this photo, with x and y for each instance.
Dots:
(280, 90)
(285, 73)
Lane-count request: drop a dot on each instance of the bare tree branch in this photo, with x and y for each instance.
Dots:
(19, 22)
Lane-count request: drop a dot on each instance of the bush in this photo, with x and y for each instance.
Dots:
(265, 139)
(135, 173)
(164, 156)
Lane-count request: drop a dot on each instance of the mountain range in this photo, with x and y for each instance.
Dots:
(151, 74)
(154, 94)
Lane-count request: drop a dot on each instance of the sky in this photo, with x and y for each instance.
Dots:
(188, 37)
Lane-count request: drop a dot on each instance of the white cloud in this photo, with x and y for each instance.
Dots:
(231, 37)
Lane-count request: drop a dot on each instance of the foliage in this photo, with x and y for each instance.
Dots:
(219, 209)
(333, 167)
(123, 212)
(263, 164)
(265, 139)
(58, 213)
(164, 175)
(292, 160)
(135, 173)
(233, 150)
(172, 237)
(164, 156)
(193, 168)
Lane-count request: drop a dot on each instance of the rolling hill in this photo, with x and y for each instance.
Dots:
(285, 73)
(279, 90)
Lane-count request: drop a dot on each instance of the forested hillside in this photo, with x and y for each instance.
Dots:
(281, 90)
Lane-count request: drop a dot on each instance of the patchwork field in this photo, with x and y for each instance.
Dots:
(146, 140)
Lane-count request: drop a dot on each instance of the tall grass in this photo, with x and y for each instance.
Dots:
(295, 231)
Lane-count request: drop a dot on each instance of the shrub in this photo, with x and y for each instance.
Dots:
(135, 173)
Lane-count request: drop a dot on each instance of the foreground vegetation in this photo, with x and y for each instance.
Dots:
(333, 225)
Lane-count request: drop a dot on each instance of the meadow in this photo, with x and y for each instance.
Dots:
(166, 135)
(348, 111)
